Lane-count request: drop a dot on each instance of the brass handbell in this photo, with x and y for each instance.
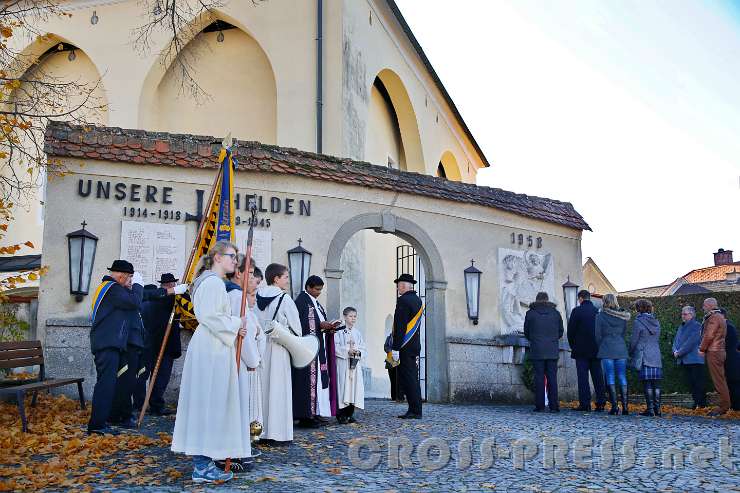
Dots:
(255, 428)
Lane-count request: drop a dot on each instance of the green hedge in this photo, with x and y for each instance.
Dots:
(668, 311)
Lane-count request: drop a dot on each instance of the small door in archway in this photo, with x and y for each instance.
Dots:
(409, 262)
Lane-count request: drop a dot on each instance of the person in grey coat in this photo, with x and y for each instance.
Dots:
(543, 328)
(686, 352)
(610, 331)
(645, 354)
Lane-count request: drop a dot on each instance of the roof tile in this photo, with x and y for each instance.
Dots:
(123, 145)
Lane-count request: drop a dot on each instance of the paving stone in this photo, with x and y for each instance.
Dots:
(320, 460)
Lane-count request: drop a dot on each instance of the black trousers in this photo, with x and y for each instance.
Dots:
(396, 391)
(584, 367)
(734, 387)
(122, 401)
(107, 362)
(696, 376)
(549, 368)
(408, 374)
(156, 401)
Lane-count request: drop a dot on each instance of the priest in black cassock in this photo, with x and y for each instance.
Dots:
(315, 386)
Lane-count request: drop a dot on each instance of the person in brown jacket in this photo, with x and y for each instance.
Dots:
(712, 347)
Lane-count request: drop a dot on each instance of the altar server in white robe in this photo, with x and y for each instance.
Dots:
(209, 424)
(251, 354)
(274, 303)
(349, 343)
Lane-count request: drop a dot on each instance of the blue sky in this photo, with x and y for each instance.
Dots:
(628, 109)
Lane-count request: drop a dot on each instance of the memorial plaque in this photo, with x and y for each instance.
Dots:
(261, 246)
(154, 248)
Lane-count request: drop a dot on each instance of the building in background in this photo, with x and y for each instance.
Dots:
(337, 77)
(723, 276)
(595, 281)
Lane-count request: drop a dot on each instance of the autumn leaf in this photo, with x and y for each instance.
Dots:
(29, 244)
(265, 478)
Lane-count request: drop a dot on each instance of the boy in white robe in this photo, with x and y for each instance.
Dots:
(209, 424)
(250, 355)
(349, 344)
(274, 303)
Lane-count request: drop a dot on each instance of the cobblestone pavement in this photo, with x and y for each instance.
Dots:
(322, 460)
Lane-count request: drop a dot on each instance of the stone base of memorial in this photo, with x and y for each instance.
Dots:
(67, 353)
(490, 370)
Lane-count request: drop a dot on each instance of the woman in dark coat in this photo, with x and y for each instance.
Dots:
(645, 354)
(732, 363)
(610, 331)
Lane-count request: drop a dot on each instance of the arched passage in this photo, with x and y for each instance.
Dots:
(236, 78)
(448, 163)
(436, 346)
(398, 122)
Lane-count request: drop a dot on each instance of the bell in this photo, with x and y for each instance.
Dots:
(255, 428)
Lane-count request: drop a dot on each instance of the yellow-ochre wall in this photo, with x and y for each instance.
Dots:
(260, 84)
(27, 224)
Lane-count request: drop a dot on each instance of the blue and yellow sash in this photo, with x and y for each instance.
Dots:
(100, 293)
(412, 327)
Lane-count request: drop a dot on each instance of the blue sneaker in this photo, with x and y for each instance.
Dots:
(211, 474)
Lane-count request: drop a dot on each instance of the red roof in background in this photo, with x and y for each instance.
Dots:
(713, 273)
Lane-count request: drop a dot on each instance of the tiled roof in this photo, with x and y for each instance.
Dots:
(713, 273)
(190, 151)
(644, 292)
(717, 286)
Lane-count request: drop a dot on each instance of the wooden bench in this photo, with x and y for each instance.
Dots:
(30, 353)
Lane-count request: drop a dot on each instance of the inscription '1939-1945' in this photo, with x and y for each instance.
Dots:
(151, 195)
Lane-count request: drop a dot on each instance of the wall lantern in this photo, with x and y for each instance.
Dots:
(472, 291)
(299, 263)
(82, 245)
(570, 295)
(94, 18)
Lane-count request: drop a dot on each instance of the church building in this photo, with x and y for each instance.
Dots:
(353, 150)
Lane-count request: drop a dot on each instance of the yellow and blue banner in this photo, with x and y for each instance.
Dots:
(412, 327)
(97, 299)
(220, 225)
(225, 226)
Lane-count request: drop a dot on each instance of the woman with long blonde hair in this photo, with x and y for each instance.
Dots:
(209, 425)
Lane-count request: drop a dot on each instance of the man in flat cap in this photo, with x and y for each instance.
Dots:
(406, 344)
(115, 321)
(155, 312)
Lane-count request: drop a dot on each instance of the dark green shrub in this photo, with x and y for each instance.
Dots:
(668, 312)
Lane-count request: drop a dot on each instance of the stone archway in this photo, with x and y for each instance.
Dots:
(436, 345)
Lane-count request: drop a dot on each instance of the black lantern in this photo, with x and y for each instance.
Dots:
(299, 262)
(570, 296)
(472, 291)
(82, 245)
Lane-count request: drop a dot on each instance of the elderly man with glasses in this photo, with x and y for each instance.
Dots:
(686, 352)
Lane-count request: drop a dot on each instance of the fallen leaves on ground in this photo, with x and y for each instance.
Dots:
(667, 410)
(57, 453)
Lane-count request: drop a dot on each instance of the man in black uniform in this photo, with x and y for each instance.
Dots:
(116, 307)
(407, 342)
(155, 312)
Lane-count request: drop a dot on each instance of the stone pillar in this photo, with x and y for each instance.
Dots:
(438, 389)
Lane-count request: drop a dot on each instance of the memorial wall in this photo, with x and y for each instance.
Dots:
(148, 214)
